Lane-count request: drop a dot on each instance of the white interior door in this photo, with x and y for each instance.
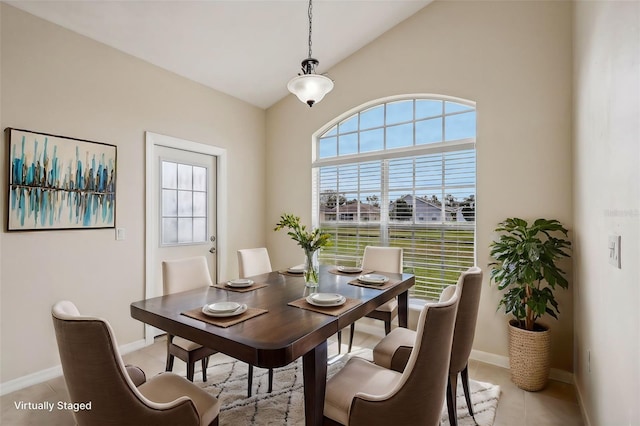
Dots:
(182, 207)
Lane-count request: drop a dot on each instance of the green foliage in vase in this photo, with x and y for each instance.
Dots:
(525, 267)
(310, 241)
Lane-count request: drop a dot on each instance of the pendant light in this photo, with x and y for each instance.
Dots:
(310, 87)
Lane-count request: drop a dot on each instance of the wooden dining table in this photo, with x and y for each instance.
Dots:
(284, 333)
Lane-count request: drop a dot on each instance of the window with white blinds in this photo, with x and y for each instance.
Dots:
(402, 174)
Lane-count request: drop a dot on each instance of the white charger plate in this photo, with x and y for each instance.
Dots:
(240, 283)
(373, 279)
(222, 307)
(208, 313)
(350, 269)
(325, 305)
(326, 298)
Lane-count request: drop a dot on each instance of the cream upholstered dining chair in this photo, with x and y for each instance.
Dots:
(251, 262)
(94, 372)
(363, 393)
(182, 275)
(379, 259)
(394, 350)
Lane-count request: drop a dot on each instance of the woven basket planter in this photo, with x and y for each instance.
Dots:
(529, 356)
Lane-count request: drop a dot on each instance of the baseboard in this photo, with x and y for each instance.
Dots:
(503, 361)
(53, 372)
(30, 380)
(581, 404)
(490, 358)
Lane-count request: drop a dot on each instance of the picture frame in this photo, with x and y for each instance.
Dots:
(58, 182)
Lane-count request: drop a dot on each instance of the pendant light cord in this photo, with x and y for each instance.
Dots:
(310, 20)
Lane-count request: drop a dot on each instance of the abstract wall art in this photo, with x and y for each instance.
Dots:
(56, 182)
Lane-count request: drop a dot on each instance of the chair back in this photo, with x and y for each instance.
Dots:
(470, 283)
(94, 373)
(383, 259)
(418, 397)
(253, 261)
(185, 274)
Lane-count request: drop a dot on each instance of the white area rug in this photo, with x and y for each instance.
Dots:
(227, 381)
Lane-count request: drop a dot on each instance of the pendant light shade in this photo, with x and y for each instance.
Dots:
(310, 87)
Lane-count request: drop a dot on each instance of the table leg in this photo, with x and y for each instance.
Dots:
(403, 309)
(314, 373)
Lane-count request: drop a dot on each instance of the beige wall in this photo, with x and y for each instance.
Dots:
(514, 60)
(607, 201)
(56, 81)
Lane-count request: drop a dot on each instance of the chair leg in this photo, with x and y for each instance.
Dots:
(250, 380)
(452, 383)
(205, 364)
(270, 380)
(464, 374)
(191, 366)
(169, 366)
(353, 331)
(387, 326)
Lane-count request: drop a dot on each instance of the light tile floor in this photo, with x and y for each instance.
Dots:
(555, 405)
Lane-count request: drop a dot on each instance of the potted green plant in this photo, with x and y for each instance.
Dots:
(525, 268)
(310, 241)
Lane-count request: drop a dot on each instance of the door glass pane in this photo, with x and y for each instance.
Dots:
(185, 230)
(199, 179)
(185, 176)
(169, 231)
(200, 230)
(200, 204)
(185, 205)
(169, 202)
(169, 175)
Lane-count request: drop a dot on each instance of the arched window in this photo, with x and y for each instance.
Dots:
(401, 172)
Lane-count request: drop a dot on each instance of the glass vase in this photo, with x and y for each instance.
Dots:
(312, 268)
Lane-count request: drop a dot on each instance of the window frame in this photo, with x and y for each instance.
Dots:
(178, 216)
(387, 154)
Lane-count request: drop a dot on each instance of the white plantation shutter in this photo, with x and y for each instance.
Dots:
(401, 174)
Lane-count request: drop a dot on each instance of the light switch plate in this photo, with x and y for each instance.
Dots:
(120, 234)
(614, 250)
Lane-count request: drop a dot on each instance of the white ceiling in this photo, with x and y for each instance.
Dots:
(247, 49)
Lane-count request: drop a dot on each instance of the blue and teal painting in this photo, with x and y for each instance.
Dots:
(60, 183)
